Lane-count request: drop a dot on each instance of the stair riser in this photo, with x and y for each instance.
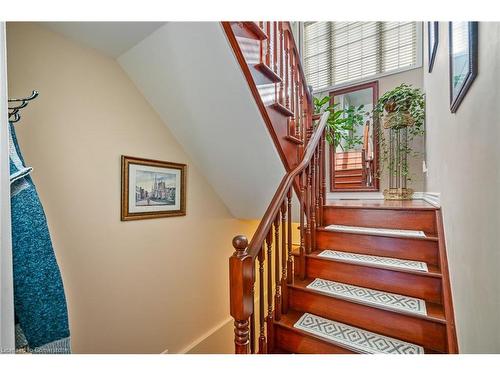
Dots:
(402, 248)
(424, 220)
(413, 285)
(407, 328)
(350, 185)
(295, 342)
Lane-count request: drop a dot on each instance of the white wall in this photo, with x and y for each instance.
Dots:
(189, 74)
(463, 154)
(132, 287)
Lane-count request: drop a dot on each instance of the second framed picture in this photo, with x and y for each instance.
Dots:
(433, 41)
(152, 189)
(463, 60)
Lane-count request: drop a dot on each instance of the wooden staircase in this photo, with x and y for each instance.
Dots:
(349, 170)
(433, 330)
(365, 276)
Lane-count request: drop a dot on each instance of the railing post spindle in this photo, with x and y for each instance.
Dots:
(289, 276)
(269, 320)
(277, 278)
(309, 209)
(302, 249)
(284, 296)
(262, 335)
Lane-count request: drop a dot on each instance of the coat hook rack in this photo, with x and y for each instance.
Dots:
(16, 104)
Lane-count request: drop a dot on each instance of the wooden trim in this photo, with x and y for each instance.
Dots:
(374, 86)
(126, 161)
(451, 332)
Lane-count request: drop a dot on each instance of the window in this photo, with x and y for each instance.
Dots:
(340, 52)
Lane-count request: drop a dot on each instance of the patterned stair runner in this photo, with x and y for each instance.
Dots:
(354, 338)
(379, 231)
(370, 296)
(375, 260)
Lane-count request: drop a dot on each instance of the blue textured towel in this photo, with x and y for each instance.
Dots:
(39, 300)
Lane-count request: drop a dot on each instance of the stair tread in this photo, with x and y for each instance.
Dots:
(350, 337)
(393, 264)
(434, 312)
(381, 204)
(383, 232)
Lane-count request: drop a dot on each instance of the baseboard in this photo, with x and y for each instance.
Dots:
(432, 198)
(206, 336)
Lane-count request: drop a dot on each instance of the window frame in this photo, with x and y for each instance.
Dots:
(374, 77)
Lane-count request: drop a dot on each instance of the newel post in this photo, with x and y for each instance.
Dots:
(241, 279)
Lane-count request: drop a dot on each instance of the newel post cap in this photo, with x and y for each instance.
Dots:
(240, 244)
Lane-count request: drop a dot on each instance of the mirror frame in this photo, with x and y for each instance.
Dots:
(375, 92)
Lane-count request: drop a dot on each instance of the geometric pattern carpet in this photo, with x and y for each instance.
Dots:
(381, 231)
(370, 296)
(375, 260)
(355, 338)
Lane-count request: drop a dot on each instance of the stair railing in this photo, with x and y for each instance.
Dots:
(262, 269)
(273, 54)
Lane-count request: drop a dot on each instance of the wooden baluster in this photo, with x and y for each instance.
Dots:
(277, 278)
(289, 243)
(252, 323)
(281, 49)
(308, 210)
(269, 320)
(284, 295)
(318, 187)
(287, 71)
(302, 202)
(268, 44)
(313, 203)
(261, 45)
(239, 306)
(297, 105)
(322, 190)
(291, 130)
(275, 45)
(262, 335)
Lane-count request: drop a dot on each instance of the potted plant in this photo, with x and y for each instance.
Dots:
(342, 123)
(403, 111)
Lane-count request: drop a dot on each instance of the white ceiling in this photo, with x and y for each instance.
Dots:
(111, 38)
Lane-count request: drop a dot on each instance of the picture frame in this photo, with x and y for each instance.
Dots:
(433, 42)
(152, 188)
(463, 53)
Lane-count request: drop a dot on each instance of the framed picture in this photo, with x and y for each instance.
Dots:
(433, 39)
(152, 189)
(463, 60)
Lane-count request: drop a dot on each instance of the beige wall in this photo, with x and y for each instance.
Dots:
(412, 77)
(132, 287)
(463, 156)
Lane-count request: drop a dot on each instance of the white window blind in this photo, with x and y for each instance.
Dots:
(339, 52)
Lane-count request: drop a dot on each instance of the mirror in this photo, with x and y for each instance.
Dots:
(353, 157)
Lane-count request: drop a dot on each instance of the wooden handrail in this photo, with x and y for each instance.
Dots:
(286, 183)
(310, 177)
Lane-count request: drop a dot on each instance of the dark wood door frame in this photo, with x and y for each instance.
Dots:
(374, 86)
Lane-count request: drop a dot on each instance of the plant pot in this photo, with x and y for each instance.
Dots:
(390, 106)
(398, 120)
(398, 194)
